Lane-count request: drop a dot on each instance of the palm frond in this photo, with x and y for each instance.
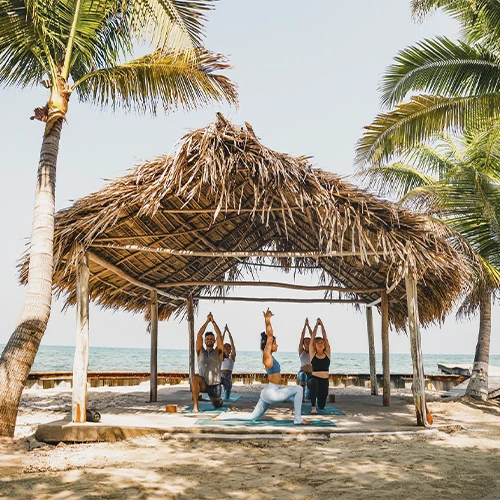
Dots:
(159, 78)
(483, 150)
(22, 61)
(441, 67)
(424, 116)
(174, 24)
(394, 180)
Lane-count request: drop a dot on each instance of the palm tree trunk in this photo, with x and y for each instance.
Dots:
(478, 383)
(19, 353)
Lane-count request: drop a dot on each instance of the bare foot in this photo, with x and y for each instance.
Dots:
(305, 422)
(195, 410)
(314, 411)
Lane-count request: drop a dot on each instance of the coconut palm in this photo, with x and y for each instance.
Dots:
(459, 182)
(459, 86)
(439, 84)
(81, 49)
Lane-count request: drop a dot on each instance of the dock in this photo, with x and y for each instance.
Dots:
(64, 380)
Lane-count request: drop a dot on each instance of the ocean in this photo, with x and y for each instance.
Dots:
(60, 358)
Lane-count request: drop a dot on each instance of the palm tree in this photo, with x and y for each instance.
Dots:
(81, 48)
(459, 182)
(451, 84)
(460, 82)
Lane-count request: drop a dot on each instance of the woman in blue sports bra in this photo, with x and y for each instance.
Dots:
(273, 392)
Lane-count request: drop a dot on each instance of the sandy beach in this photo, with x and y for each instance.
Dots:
(460, 457)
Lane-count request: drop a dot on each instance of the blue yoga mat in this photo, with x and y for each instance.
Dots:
(264, 423)
(327, 410)
(232, 398)
(205, 408)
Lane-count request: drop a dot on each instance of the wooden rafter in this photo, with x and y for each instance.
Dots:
(235, 254)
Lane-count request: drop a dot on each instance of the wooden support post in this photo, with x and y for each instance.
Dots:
(81, 361)
(385, 351)
(190, 318)
(153, 376)
(371, 349)
(418, 385)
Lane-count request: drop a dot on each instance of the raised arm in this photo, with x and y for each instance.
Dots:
(233, 348)
(267, 357)
(302, 335)
(220, 343)
(312, 348)
(199, 337)
(325, 338)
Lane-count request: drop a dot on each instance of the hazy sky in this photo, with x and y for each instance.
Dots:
(308, 73)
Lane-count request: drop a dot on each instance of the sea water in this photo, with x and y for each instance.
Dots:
(60, 359)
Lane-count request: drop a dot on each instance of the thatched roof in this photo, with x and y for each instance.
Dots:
(223, 191)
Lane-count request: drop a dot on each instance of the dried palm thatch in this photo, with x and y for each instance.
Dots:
(205, 213)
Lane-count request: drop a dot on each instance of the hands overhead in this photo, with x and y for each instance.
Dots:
(268, 314)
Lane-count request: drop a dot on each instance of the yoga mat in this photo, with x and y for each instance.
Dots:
(205, 408)
(232, 398)
(264, 423)
(327, 410)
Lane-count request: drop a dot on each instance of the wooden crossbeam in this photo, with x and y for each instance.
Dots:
(276, 299)
(235, 254)
(116, 270)
(291, 286)
(227, 210)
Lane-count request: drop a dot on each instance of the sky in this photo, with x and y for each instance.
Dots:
(308, 75)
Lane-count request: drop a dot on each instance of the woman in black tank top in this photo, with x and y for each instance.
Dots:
(319, 350)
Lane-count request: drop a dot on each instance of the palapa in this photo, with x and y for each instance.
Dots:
(224, 204)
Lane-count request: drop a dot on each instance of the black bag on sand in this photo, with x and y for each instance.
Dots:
(93, 416)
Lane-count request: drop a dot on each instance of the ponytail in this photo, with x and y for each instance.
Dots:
(263, 340)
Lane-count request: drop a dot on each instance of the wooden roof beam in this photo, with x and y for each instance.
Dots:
(291, 286)
(236, 254)
(226, 210)
(116, 270)
(277, 299)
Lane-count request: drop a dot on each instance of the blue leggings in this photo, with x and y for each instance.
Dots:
(226, 380)
(303, 377)
(272, 394)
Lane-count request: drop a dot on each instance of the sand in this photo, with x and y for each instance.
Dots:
(459, 458)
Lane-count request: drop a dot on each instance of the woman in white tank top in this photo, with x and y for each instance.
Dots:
(227, 365)
(305, 371)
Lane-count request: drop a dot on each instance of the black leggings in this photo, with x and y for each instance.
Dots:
(318, 389)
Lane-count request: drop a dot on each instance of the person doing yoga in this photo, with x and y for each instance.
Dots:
(305, 371)
(227, 366)
(319, 350)
(273, 392)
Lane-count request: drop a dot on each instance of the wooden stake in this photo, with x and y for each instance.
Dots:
(371, 348)
(418, 384)
(190, 318)
(385, 351)
(153, 378)
(81, 361)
